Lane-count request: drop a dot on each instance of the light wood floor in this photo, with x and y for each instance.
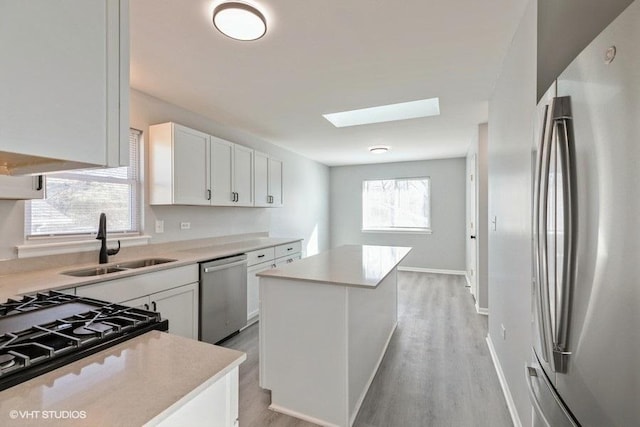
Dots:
(437, 370)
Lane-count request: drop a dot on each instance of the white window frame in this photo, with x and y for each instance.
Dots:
(51, 244)
(394, 229)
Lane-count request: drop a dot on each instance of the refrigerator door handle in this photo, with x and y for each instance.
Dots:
(538, 281)
(562, 116)
(543, 270)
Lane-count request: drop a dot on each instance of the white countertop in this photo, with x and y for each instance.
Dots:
(349, 265)
(13, 285)
(143, 379)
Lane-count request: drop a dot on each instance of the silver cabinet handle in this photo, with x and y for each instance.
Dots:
(261, 256)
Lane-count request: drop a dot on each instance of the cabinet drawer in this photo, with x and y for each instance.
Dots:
(128, 288)
(262, 255)
(288, 249)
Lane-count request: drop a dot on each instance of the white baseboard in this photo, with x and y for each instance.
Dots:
(503, 383)
(432, 270)
(483, 311)
(300, 416)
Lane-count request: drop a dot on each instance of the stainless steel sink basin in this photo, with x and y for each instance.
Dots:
(144, 263)
(123, 266)
(94, 271)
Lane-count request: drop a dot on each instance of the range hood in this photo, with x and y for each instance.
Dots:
(23, 164)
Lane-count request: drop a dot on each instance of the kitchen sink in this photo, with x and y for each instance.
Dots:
(123, 266)
(144, 263)
(95, 271)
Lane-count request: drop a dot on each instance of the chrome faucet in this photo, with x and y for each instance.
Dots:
(102, 236)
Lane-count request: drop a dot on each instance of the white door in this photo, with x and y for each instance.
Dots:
(221, 172)
(180, 307)
(190, 166)
(472, 219)
(243, 175)
(260, 179)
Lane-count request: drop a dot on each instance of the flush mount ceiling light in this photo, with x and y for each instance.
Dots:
(386, 113)
(239, 21)
(378, 149)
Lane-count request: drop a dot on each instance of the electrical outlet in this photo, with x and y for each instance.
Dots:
(504, 332)
(159, 226)
(185, 225)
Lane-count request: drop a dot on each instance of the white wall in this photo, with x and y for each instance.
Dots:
(443, 249)
(306, 186)
(511, 117)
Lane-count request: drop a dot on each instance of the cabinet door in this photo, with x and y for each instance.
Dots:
(275, 182)
(180, 307)
(142, 302)
(60, 77)
(260, 179)
(280, 262)
(221, 172)
(243, 175)
(21, 187)
(253, 294)
(190, 186)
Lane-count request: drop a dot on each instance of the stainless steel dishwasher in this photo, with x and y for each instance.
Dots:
(223, 297)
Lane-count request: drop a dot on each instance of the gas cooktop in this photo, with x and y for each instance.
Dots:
(42, 332)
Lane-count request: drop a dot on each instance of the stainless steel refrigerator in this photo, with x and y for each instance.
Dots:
(585, 366)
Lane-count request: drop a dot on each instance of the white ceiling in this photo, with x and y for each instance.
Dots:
(328, 56)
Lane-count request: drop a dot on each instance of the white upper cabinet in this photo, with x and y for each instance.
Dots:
(267, 181)
(21, 187)
(64, 82)
(188, 167)
(178, 165)
(221, 172)
(243, 175)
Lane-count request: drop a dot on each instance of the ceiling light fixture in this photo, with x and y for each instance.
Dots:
(378, 149)
(239, 21)
(386, 113)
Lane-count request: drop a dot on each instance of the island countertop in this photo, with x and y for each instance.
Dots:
(349, 265)
(140, 381)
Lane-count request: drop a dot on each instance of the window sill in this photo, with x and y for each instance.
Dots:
(396, 230)
(52, 247)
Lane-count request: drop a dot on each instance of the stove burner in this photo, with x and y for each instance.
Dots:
(92, 329)
(7, 361)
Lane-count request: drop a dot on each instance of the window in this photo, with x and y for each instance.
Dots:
(74, 200)
(396, 205)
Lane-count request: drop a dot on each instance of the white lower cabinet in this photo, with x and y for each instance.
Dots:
(253, 296)
(215, 406)
(266, 259)
(178, 305)
(172, 292)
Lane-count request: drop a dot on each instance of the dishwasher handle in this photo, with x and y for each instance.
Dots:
(223, 263)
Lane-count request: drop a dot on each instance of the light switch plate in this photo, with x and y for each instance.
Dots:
(159, 226)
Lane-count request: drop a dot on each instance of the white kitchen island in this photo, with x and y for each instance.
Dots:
(325, 324)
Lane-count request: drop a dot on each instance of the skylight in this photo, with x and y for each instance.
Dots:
(386, 113)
